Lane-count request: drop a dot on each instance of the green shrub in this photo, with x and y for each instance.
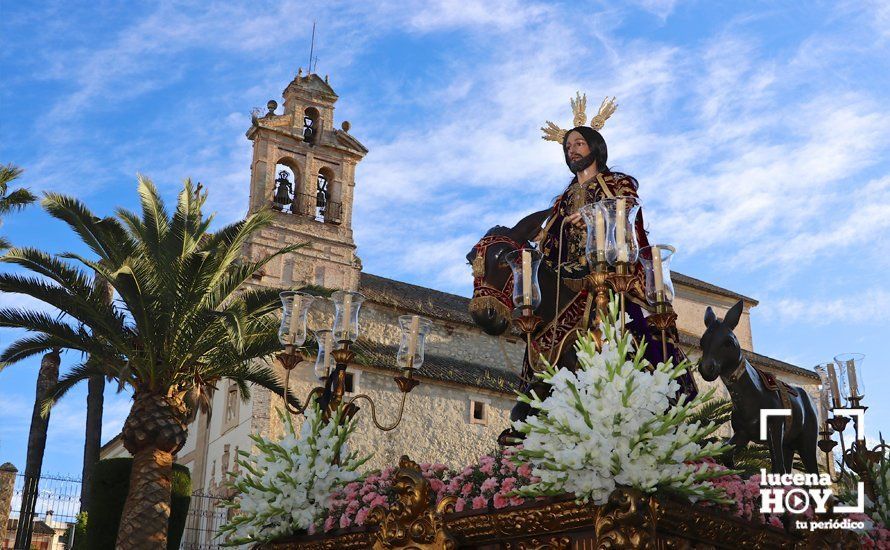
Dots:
(111, 481)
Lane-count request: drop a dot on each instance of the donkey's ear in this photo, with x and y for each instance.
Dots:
(733, 315)
(529, 226)
(710, 318)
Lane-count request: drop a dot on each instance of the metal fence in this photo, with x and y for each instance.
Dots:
(54, 507)
(206, 515)
(58, 503)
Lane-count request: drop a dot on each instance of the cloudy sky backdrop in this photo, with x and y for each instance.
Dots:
(759, 132)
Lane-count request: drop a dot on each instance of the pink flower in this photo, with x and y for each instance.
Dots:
(362, 515)
(353, 507)
(479, 503)
(525, 470)
(487, 468)
(379, 501)
(459, 505)
(489, 484)
(436, 484)
(344, 521)
(466, 489)
(516, 501)
(370, 496)
(329, 523)
(508, 484)
(500, 501)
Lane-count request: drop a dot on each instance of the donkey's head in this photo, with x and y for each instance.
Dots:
(721, 352)
(492, 303)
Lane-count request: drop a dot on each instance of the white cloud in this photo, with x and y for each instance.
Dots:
(870, 306)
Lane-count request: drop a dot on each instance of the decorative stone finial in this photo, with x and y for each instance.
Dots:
(271, 105)
(345, 126)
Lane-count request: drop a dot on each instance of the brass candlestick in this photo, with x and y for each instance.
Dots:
(621, 281)
(663, 319)
(289, 359)
(597, 282)
(860, 459)
(527, 323)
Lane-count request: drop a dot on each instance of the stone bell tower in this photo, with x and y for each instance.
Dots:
(303, 169)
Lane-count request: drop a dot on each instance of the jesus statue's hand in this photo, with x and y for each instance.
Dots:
(576, 220)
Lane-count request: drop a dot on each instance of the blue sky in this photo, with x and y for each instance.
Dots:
(759, 131)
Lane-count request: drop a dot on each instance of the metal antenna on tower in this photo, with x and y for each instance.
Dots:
(312, 47)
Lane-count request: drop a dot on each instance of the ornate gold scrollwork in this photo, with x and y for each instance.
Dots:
(626, 521)
(412, 522)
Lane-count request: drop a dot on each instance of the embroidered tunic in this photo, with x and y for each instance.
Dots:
(573, 259)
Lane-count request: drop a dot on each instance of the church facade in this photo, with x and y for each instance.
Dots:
(303, 168)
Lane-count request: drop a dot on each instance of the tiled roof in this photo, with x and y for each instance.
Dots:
(439, 367)
(451, 307)
(758, 360)
(416, 299)
(40, 527)
(708, 287)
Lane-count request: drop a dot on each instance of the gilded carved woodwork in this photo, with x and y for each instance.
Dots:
(413, 522)
(629, 519)
(626, 521)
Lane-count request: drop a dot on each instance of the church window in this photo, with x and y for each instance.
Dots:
(478, 412)
(349, 383)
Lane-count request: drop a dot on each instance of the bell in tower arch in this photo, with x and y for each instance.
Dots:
(283, 190)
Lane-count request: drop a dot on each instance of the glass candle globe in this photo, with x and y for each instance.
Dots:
(622, 245)
(414, 331)
(656, 262)
(595, 216)
(325, 339)
(295, 306)
(850, 365)
(526, 290)
(346, 309)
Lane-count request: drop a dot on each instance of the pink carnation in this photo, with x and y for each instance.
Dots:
(500, 501)
(329, 523)
(479, 503)
(525, 470)
(466, 489)
(460, 504)
(344, 521)
(489, 484)
(362, 515)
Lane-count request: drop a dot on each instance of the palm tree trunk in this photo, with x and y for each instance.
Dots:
(147, 509)
(47, 377)
(154, 431)
(95, 400)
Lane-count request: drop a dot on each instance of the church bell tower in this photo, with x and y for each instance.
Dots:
(303, 169)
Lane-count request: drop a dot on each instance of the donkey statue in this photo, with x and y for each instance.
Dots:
(752, 391)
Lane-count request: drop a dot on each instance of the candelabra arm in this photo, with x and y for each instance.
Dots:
(350, 405)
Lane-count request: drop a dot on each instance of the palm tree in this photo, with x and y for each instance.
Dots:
(16, 200)
(47, 378)
(182, 322)
(93, 434)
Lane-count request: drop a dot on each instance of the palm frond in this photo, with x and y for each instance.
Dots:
(718, 411)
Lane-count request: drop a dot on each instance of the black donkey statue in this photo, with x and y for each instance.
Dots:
(752, 391)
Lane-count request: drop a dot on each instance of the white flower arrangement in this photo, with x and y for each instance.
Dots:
(286, 486)
(610, 423)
